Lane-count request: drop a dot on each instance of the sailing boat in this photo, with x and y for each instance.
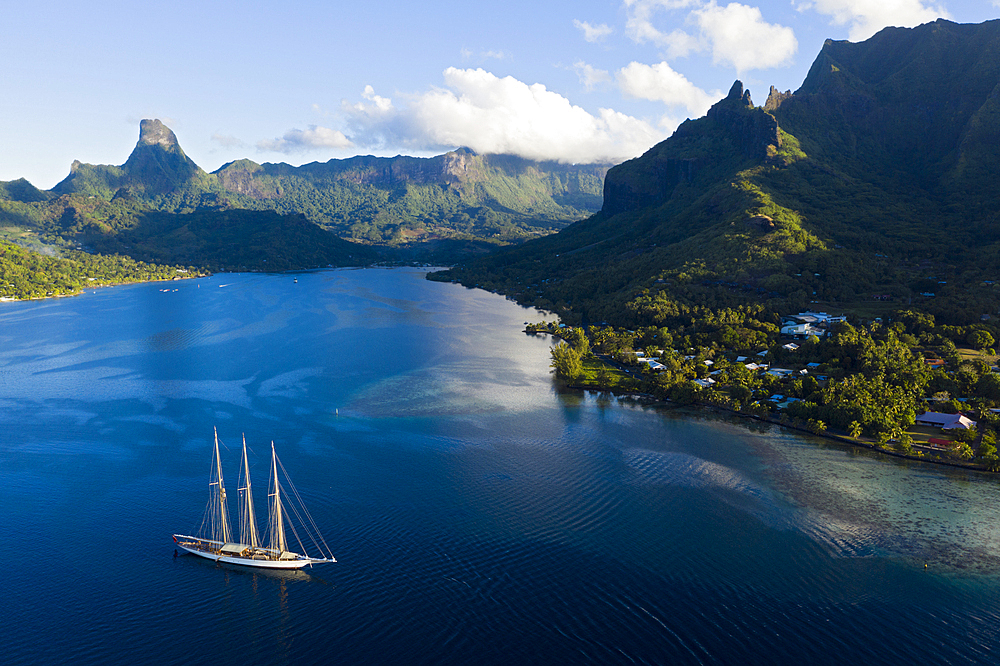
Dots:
(216, 540)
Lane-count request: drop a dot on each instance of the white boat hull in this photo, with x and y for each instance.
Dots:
(216, 540)
(190, 545)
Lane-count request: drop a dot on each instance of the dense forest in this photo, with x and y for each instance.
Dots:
(867, 382)
(27, 274)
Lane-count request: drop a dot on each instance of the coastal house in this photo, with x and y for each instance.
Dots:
(781, 401)
(801, 330)
(945, 421)
(806, 324)
(704, 383)
(791, 346)
(781, 373)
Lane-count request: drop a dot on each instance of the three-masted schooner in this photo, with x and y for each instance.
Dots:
(216, 540)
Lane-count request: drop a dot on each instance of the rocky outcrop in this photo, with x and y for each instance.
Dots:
(761, 222)
(645, 181)
(752, 129)
(732, 123)
(155, 133)
(156, 165)
(774, 99)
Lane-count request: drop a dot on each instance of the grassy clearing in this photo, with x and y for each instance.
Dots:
(968, 354)
(599, 375)
(921, 434)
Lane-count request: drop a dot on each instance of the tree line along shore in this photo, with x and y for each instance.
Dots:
(864, 383)
(27, 275)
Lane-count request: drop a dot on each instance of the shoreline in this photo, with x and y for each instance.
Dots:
(842, 439)
(208, 273)
(13, 299)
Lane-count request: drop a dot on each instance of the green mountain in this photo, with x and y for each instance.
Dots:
(501, 198)
(156, 166)
(876, 179)
(234, 240)
(456, 200)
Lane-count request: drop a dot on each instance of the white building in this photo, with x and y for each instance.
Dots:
(945, 421)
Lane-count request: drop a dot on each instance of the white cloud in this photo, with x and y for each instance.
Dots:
(501, 115)
(661, 83)
(866, 17)
(228, 141)
(679, 44)
(378, 104)
(639, 23)
(740, 36)
(590, 76)
(595, 33)
(481, 56)
(735, 34)
(297, 141)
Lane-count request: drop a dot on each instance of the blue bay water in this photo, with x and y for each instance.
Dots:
(478, 513)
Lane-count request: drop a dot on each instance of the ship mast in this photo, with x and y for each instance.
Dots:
(248, 521)
(220, 526)
(277, 523)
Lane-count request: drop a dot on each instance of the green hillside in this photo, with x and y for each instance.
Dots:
(876, 178)
(397, 202)
(27, 274)
(415, 209)
(407, 199)
(234, 240)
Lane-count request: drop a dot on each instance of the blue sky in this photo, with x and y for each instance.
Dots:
(302, 81)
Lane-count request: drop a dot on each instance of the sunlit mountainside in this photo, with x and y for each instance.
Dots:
(875, 182)
(397, 201)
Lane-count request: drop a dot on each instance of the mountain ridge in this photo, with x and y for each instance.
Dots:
(383, 200)
(875, 176)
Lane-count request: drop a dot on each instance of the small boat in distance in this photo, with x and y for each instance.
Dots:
(215, 541)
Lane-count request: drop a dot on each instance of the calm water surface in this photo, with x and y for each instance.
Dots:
(478, 514)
